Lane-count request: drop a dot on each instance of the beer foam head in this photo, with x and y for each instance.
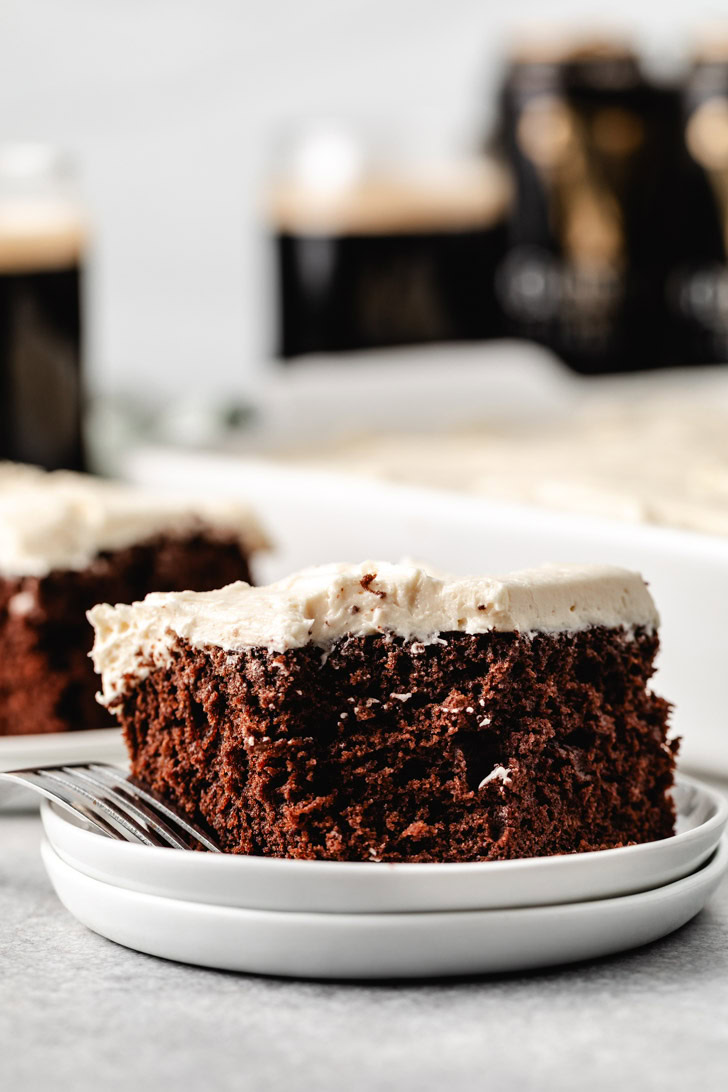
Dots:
(447, 197)
(41, 222)
(40, 234)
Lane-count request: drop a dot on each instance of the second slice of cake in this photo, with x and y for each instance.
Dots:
(381, 712)
(68, 541)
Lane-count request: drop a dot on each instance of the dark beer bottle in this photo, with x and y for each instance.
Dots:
(593, 145)
(698, 286)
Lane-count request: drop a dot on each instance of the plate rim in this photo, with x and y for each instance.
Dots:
(719, 819)
(712, 870)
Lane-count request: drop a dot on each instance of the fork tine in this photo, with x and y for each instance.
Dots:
(59, 790)
(33, 779)
(157, 806)
(111, 807)
(113, 804)
(123, 798)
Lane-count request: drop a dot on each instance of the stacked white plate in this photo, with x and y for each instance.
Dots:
(325, 919)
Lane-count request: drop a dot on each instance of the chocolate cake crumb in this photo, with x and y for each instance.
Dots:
(571, 756)
(47, 682)
(366, 582)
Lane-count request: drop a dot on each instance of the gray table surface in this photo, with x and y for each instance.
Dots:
(78, 1012)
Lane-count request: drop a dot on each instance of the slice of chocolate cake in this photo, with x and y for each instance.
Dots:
(68, 541)
(380, 712)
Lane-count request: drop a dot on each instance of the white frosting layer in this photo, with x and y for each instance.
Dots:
(320, 605)
(63, 520)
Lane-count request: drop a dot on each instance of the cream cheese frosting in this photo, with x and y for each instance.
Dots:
(320, 605)
(64, 520)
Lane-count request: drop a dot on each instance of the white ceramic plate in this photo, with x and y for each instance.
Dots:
(55, 748)
(262, 883)
(380, 945)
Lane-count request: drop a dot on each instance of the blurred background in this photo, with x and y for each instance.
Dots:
(175, 113)
(237, 189)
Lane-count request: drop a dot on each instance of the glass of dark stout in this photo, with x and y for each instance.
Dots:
(380, 249)
(43, 240)
(601, 195)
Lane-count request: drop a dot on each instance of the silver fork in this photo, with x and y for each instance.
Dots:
(113, 804)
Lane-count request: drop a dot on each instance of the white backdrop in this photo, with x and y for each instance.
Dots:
(171, 105)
